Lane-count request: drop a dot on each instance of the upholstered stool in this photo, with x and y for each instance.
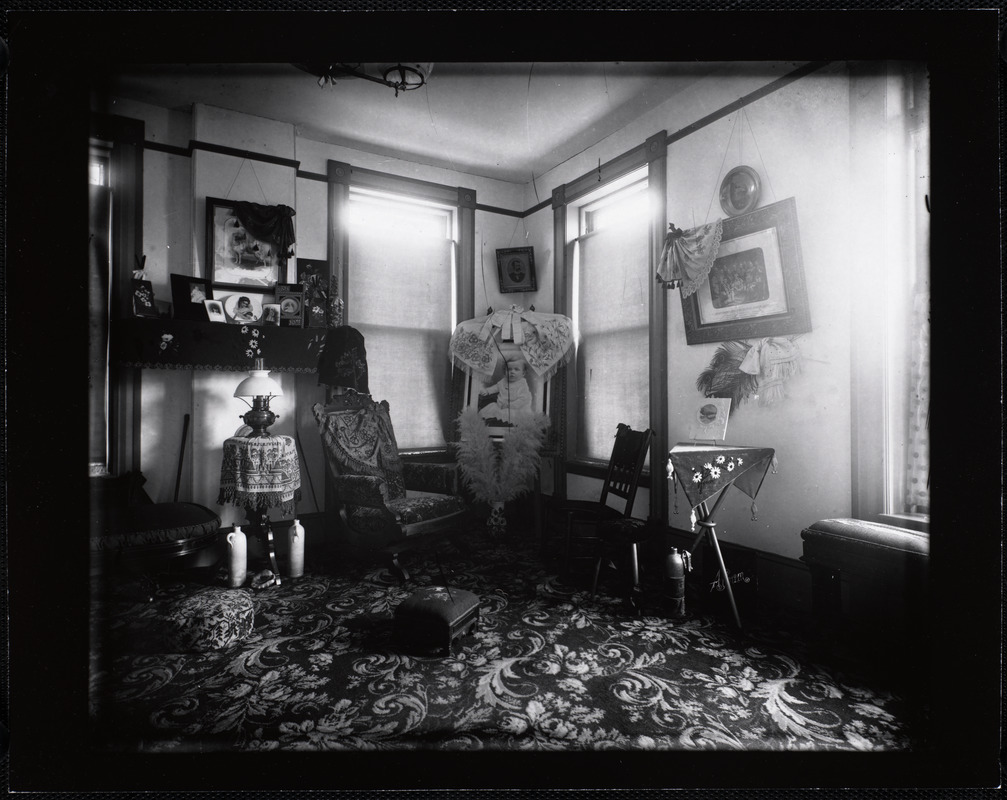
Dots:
(211, 619)
(434, 617)
(866, 571)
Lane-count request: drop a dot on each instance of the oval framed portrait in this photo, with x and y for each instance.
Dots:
(243, 308)
(739, 193)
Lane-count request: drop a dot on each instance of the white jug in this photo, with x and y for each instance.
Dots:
(296, 535)
(237, 568)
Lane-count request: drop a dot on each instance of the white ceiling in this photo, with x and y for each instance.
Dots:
(508, 121)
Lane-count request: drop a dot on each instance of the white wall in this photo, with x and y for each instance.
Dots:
(799, 143)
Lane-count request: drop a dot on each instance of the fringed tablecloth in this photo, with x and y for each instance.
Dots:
(260, 472)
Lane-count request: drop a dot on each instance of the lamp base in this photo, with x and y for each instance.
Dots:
(259, 418)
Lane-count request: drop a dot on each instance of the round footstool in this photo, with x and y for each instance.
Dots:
(211, 619)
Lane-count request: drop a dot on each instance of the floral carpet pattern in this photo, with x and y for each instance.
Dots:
(547, 669)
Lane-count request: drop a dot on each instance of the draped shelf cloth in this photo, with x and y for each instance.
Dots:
(703, 470)
(688, 256)
(260, 472)
(545, 340)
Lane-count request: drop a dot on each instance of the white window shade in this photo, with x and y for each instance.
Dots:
(612, 316)
(400, 298)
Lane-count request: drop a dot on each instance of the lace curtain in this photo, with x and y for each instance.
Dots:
(917, 491)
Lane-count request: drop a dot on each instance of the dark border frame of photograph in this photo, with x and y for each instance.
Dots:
(287, 294)
(779, 220)
(516, 269)
(183, 306)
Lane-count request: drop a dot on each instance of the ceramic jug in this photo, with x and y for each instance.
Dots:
(237, 548)
(296, 536)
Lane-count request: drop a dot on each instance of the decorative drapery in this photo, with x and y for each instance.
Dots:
(268, 224)
(545, 340)
(703, 470)
(774, 360)
(688, 256)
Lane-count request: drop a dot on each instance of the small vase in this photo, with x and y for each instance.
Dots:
(497, 521)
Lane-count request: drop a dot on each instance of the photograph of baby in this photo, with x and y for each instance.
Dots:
(512, 393)
(243, 308)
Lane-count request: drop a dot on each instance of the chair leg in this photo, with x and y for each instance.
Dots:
(397, 568)
(594, 581)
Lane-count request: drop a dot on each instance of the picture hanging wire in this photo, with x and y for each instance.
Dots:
(241, 166)
(716, 187)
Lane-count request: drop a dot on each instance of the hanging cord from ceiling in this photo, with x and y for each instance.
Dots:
(527, 127)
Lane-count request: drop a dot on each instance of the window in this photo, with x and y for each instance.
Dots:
(611, 313)
(891, 338)
(99, 271)
(401, 295)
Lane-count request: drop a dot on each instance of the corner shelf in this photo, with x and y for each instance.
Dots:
(155, 343)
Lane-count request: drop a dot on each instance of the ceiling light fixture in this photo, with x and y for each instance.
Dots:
(402, 77)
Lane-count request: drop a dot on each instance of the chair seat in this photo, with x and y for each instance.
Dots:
(411, 510)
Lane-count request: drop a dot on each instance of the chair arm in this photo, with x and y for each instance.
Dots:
(360, 490)
(431, 476)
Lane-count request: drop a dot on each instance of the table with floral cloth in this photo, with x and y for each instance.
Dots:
(259, 473)
(705, 470)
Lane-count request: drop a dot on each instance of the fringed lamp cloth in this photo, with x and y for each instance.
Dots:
(260, 472)
(688, 256)
(704, 470)
(545, 340)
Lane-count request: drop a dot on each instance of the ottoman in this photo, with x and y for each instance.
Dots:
(211, 619)
(432, 619)
(868, 576)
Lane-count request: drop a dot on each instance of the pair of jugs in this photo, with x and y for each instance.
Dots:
(237, 545)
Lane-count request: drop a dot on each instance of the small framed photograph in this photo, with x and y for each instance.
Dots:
(143, 299)
(187, 296)
(516, 268)
(233, 255)
(271, 314)
(215, 311)
(756, 286)
(709, 419)
(290, 297)
(245, 306)
(739, 193)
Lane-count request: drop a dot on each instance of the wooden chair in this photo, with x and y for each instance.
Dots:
(582, 518)
(370, 483)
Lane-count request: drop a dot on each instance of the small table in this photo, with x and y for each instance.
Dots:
(705, 470)
(260, 473)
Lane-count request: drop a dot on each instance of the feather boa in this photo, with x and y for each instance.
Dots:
(499, 471)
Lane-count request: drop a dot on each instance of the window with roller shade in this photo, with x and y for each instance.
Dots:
(401, 296)
(611, 313)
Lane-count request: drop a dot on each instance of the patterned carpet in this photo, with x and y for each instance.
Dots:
(547, 669)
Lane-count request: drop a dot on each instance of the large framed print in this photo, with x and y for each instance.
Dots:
(510, 393)
(233, 255)
(756, 286)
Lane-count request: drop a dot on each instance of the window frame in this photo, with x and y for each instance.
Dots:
(653, 154)
(342, 179)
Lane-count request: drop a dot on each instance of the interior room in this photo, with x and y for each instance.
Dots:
(506, 405)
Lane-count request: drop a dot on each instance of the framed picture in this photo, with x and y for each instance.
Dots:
(756, 286)
(313, 275)
(516, 267)
(271, 314)
(245, 306)
(709, 419)
(143, 299)
(513, 389)
(739, 193)
(290, 298)
(215, 311)
(233, 255)
(187, 296)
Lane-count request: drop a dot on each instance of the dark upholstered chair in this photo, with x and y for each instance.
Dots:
(370, 481)
(581, 519)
